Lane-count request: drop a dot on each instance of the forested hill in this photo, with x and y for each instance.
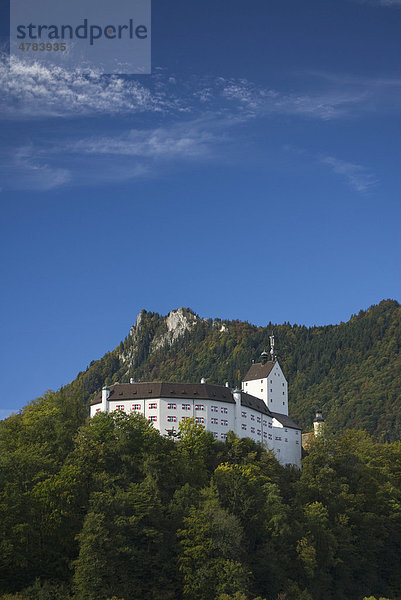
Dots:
(351, 370)
(109, 509)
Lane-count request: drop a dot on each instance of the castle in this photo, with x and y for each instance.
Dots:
(258, 411)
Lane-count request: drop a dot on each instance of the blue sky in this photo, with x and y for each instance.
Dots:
(253, 175)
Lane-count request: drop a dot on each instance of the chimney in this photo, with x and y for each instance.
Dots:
(237, 398)
(203, 380)
(105, 399)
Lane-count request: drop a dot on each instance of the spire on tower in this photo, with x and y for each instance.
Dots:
(271, 337)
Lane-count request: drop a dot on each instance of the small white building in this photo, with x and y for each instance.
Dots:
(258, 411)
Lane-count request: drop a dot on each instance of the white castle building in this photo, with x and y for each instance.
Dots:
(258, 411)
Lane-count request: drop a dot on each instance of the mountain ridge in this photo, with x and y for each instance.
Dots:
(352, 370)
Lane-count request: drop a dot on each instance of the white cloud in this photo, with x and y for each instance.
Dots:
(109, 158)
(186, 140)
(338, 97)
(40, 91)
(194, 119)
(357, 176)
(381, 2)
(24, 169)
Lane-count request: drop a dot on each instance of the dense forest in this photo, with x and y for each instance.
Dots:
(109, 509)
(351, 370)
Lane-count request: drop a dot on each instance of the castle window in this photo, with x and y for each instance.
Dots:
(278, 438)
(296, 433)
(252, 429)
(286, 430)
(223, 436)
(98, 410)
(261, 390)
(270, 436)
(185, 418)
(270, 425)
(285, 439)
(120, 407)
(258, 431)
(199, 419)
(153, 418)
(136, 407)
(252, 417)
(243, 426)
(261, 381)
(199, 407)
(171, 406)
(258, 419)
(171, 419)
(224, 422)
(243, 414)
(214, 409)
(153, 405)
(283, 393)
(186, 406)
(264, 423)
(215, 435)
(264, 434)
(283, 384)
(224, 411)
(271, 390)
(297, 442)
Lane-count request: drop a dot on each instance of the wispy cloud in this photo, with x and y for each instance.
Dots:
(178, 121)
(357, 176)
(38, 91)
(24, 169)
(188, 140)
(381, 2)
(323, 106)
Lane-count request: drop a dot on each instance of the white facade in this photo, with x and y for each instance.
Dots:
(253, 412)
(272, 389)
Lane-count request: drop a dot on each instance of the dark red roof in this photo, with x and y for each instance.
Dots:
(203, 391)
(285, 420)
(259, 370)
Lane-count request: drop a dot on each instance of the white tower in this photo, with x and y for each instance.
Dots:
(318, 423)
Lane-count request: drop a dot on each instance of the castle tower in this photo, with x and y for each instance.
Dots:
(266, 381)
(318, 422)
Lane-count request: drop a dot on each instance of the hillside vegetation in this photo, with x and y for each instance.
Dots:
(111, 509)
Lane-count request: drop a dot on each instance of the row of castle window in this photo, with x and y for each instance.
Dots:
(173, 418)
(171, 406)
(214, 420)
